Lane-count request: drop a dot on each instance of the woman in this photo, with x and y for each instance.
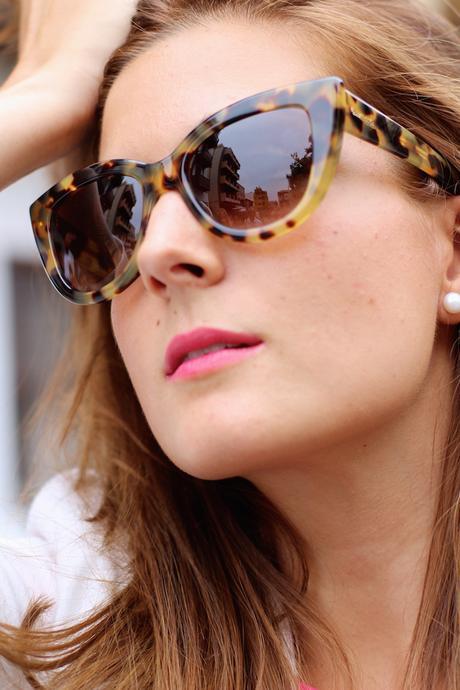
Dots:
(290, 508)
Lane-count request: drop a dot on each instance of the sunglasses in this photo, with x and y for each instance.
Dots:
(253, 171)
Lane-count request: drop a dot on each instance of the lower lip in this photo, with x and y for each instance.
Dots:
(212, 361)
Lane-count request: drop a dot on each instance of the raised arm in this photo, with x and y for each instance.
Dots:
(47, 104)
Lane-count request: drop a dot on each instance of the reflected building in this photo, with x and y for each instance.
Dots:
(200, 172)
(120, 214)
(226, 194)
(214, 174)
(283, 199)
(261, 202)
(215, 171)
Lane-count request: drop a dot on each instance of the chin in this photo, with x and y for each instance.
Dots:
(205, 465)
(208, 471)
(216, 451)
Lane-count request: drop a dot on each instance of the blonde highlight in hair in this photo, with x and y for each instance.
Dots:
(210, 589)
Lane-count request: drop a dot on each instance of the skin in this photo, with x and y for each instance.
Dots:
(334, 418)
(43, 115)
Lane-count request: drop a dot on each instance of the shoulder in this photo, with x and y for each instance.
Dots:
(61, 556)
(58, 511)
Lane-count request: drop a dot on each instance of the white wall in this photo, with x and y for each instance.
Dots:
(16, 242)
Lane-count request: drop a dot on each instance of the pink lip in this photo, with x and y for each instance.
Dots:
(212, 361)
(181, 345)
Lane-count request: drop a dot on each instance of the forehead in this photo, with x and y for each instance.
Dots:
(177, 82)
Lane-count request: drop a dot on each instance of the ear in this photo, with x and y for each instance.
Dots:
(451, 277)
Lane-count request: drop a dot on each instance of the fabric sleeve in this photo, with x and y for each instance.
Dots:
(60, 557)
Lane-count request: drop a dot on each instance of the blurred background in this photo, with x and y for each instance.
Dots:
(33, 320)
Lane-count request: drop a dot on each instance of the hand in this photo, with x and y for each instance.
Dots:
(47, 103)
(70, 36)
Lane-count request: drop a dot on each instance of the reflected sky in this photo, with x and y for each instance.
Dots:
(263, 143)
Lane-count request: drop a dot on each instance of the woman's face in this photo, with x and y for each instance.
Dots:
(346, 305)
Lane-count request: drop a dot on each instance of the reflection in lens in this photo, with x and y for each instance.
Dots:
(94, 231)
(254, 171)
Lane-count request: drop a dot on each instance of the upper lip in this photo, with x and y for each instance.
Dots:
(182, 344)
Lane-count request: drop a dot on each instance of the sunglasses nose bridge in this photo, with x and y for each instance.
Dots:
(169, 166)
(165, 175)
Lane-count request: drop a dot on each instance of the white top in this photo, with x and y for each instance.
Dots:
(59, 557)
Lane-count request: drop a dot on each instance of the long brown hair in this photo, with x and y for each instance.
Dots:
(209, 593)
(9, 24)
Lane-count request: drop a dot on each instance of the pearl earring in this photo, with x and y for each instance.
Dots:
(452, 302)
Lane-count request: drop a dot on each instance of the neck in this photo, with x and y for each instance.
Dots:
(366, 510)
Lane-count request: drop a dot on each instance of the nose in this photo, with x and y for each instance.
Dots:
(177, 250)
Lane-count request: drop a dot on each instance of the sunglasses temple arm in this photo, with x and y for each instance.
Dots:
(369, 124)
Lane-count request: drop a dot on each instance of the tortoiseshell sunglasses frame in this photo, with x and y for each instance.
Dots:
(332, 110)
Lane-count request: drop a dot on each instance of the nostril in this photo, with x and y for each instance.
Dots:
(157, 284)
(193, 268)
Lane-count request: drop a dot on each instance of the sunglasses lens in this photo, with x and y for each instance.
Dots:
(254, 171)
(94, 230)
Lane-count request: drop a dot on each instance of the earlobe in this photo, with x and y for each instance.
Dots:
(450, 299)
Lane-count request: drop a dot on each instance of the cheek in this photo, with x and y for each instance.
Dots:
(347, 305)
(360, 294)
(369, 316)
(136, 332)
(372, 250)
(124, 327)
